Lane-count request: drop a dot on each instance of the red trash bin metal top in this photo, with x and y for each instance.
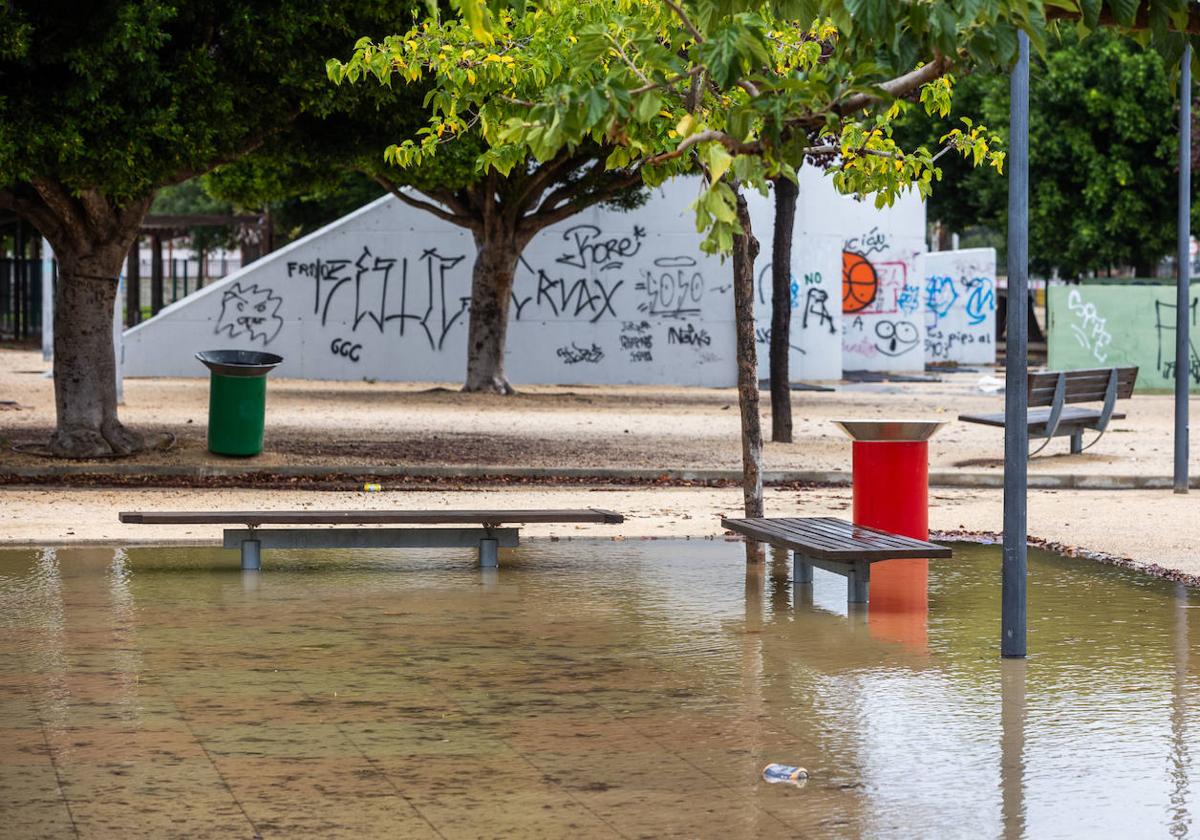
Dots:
(894, 430)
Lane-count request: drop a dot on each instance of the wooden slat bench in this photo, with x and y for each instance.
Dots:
(488, 536)
(1051, 391)
(835, 545)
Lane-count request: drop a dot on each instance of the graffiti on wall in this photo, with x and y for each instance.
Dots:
(252, 311)
(881, 305)
(955, 311)
(959, 304)
(625, 296)
(1101, 325)
(672, 288)
(809, 304)
(1164, 329)
(585, 281)
(1089, 328)
(388, 292)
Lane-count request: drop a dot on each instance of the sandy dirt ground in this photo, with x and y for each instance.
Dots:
(1157, 530)
(361, 423)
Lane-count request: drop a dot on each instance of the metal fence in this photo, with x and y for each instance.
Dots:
(21, 285)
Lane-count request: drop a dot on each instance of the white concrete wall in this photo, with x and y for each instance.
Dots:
(959, 294)
(882, 325)
(606, 297)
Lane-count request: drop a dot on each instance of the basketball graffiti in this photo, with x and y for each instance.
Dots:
(860, 283)
(882, 329)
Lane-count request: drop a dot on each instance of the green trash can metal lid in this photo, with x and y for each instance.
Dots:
(239, 362)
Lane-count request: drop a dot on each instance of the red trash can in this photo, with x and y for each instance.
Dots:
(891, 492)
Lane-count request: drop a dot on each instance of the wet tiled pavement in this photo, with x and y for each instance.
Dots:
(588, 689)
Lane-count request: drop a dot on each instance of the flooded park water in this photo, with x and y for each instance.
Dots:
(586, 689)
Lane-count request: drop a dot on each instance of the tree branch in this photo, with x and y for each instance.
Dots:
(897, 87)
(691, 27)
(544, 176)
(620, 181)
(35, 211)
(737, 147)
(628, 61)
(448, 198)
(691, 74)
(59, 202)
(461, 221)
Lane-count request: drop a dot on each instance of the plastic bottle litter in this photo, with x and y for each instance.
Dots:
(372, 488)
(784, 774)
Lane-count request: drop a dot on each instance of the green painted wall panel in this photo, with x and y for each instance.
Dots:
(1106, 326)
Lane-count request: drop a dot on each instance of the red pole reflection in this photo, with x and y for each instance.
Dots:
(891, 492)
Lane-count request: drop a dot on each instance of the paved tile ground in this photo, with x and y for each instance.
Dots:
(587, 689)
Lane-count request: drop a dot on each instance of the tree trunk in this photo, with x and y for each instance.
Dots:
(85, 388)
(491, 293)
(745, 250)
(786, 192)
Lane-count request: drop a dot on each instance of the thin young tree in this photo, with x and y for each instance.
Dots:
(742, 95)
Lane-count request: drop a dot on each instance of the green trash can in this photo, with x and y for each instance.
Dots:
(237, 399)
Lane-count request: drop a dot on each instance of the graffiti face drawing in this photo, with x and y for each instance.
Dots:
(251, 310)
(895, 337)
(860, 283)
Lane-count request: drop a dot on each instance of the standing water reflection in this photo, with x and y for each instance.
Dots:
(592, 688)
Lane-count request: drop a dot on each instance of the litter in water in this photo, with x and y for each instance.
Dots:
(784, 774)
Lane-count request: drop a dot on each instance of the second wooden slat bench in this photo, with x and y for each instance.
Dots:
(488, 535)
(835, 545)
(1051, 394)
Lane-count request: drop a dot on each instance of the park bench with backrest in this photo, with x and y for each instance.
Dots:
(835, 545)
(487, 535)
(1052, 401)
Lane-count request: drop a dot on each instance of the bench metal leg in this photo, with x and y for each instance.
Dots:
(489, 553)
(251, 555)
(802, 572)
(1077, 442)
(858, 583)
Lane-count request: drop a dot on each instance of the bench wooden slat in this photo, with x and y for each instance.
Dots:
(1090, 385)
(878, 535)
(827, 538)
(831, 534)
(835, 528)
(371, 517)
(1070, 416)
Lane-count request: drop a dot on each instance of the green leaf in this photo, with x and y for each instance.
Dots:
(717, 158)
(648, 107)
(721, 55)
(1091, 12)
(1125, 11)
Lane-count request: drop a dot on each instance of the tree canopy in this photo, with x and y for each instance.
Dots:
(1103, 156)
(745, 95)
(103, 103)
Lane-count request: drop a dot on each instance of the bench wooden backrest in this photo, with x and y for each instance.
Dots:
(1089, 385)
(1057, 388)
